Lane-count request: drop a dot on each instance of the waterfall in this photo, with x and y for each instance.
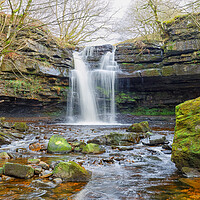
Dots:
(92, 91)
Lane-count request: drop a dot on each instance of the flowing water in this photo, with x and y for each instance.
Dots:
(140, 172)
(92, 94)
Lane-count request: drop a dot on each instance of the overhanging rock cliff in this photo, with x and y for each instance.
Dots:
(161, 76)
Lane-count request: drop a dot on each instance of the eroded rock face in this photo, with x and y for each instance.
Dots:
(157, 76)
(186, 144)
(36, 76)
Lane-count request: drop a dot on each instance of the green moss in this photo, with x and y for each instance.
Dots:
(71, 171)
(151, 111)
(92, 148)
(21, 126)
(125, 97)
(58, 144)
(186, 144)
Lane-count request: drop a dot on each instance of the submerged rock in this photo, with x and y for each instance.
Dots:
(18, 170)
(141, 127)
(71, 171)
(58, 144)
(42, 184)
(186, 143)
(93, 148)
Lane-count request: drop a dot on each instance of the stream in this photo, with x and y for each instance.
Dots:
(134, 172)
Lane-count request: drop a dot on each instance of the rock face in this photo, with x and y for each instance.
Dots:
(71, 171)
(35, 77)
(160, 76)
(58, 144)
(186, 144)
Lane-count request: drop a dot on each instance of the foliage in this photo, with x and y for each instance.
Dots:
(151, 111)
(124, 97)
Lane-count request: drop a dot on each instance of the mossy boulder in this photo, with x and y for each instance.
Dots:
(92, 148)
(18, 170)
(71, 171)
(186, 143)
(20, 126)
(58, 144)
(141, 127)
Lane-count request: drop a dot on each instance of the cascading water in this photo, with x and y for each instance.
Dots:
(92, 96)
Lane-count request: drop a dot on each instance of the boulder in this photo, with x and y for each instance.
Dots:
(92, 148)
(71, 171)
(141, 127)
(117, 139)
(58, 144)
(186, 143)
(18, 170)
(21, 126)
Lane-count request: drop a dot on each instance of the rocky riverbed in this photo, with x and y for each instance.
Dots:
(132, 170)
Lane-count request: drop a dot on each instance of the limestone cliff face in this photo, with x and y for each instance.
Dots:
(161, 75)
(34, 78)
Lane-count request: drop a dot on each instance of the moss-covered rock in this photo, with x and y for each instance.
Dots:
(186, 144)
(71, 171)
(58, 144)
(20, 126)
(93, 148)
(18, 170)
(141, 127)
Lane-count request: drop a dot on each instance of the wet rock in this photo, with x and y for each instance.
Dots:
(4, 155)
(46, 173)
(190, 172)
(71, 171)
(43, 165)
(167, 146)
(7, 178)
(20, 126)
(21, 150)
(7, 125)
(17, 135)
(18, 170)
(186, 143)
(141, 127)
(125, 148)
(37, 170)
(58, 144)
(35, 146)
(117, 139)
(57, 180)
(33, 161)
(93, 148)
(4, 140)
(155, 142)
(42, 184)
(78, 146)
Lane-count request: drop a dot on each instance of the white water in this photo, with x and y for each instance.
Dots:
(92, 96)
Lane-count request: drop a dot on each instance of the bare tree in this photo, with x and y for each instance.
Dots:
(145, 19)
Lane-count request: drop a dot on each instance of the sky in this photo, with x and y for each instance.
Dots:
(121, 5)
